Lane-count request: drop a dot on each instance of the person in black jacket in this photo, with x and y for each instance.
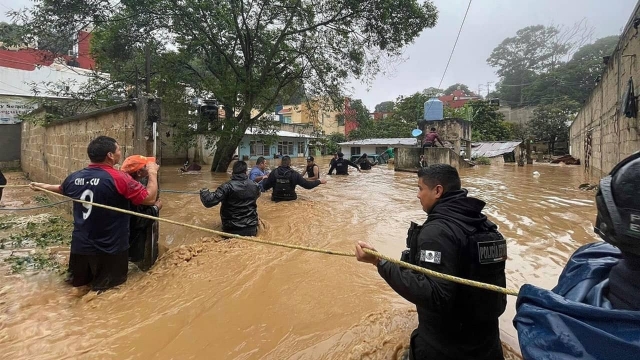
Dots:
(365, 163)
(284, 180)
(239, 211)
(454, 321)
(342, 166)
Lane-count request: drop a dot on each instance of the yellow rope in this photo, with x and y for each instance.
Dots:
(306, 248)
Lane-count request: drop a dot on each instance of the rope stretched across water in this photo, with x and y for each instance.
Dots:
(161, 190)
(306, 248)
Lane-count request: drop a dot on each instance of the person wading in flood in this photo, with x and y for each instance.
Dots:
(239, 211)
(140, 228)
(312, 170)
(364, 163)
(594, 311)
(284, 180)
(454, 321)
(259, 172)
(100, 240)
(342, 166)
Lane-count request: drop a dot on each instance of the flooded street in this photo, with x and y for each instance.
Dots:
(211, 299)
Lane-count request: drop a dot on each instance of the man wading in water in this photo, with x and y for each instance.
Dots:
(100, 240)
(454, 321)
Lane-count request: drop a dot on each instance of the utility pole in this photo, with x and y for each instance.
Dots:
(479, 86)
(488, 87)
(147, 63)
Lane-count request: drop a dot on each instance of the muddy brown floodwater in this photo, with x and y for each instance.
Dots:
(211, 299)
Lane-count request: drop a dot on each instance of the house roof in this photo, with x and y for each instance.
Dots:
(383, 142)
(492, 149)
(287, 110)
(279, 133)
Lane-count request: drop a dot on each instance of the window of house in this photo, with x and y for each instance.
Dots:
(257, 148)
(355, 151)
(340, 119)
(286, 119)
(285, 147)
(301, 147)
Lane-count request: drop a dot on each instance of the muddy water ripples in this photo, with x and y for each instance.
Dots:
(212, 299)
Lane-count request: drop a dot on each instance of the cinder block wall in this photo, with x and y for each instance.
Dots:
(601, 135)
(50, 153)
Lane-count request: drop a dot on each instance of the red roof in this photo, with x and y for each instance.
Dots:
(28, 59)
(457, 99)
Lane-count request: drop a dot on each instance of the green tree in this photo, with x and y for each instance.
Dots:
(410, 109)
(385, 106)
(520, 59)
(576, 78)
(463, 87)
(550, 122)
(10, 34)
(487, 123)
(432, 92)
(249, 54)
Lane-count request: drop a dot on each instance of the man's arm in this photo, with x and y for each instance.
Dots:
(354, 165)
(253, 175)
(307, 184)
(439, 251)
(270, 182)
(332, 167)
(39, 186)
(211, 199)
(152, 184)
(440, 141)
(316, 173)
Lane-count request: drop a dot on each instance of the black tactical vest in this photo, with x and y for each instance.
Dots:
(283, 188)
(484, 252)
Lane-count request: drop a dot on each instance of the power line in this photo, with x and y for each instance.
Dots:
(455, 44)
(452, 50)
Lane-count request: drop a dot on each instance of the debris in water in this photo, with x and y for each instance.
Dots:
(566, 159)
(588, 186)
(536, 174)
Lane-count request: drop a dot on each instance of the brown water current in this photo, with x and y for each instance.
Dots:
(212, 299)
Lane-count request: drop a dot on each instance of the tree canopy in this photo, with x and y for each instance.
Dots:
(248, 54)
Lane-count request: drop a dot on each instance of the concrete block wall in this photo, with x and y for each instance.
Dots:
(601, 135)
(408, 159)
(50, 153)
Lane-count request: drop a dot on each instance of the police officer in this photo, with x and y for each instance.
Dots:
(454, 321)
(341, 165)
(284, 180)
(364, 163)
(595, 308)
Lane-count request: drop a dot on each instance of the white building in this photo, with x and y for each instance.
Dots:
(375, 146)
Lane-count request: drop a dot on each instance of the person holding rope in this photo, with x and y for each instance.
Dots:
(239, 211)
(454, 321)
(594, 311)
(100, 239)
(140, 228)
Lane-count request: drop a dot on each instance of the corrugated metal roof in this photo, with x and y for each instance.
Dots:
(491, 149)
(383, 142)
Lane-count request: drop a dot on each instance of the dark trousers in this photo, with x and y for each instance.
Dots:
(248, 231)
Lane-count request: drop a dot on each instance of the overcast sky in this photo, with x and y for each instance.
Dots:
(488, 23)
